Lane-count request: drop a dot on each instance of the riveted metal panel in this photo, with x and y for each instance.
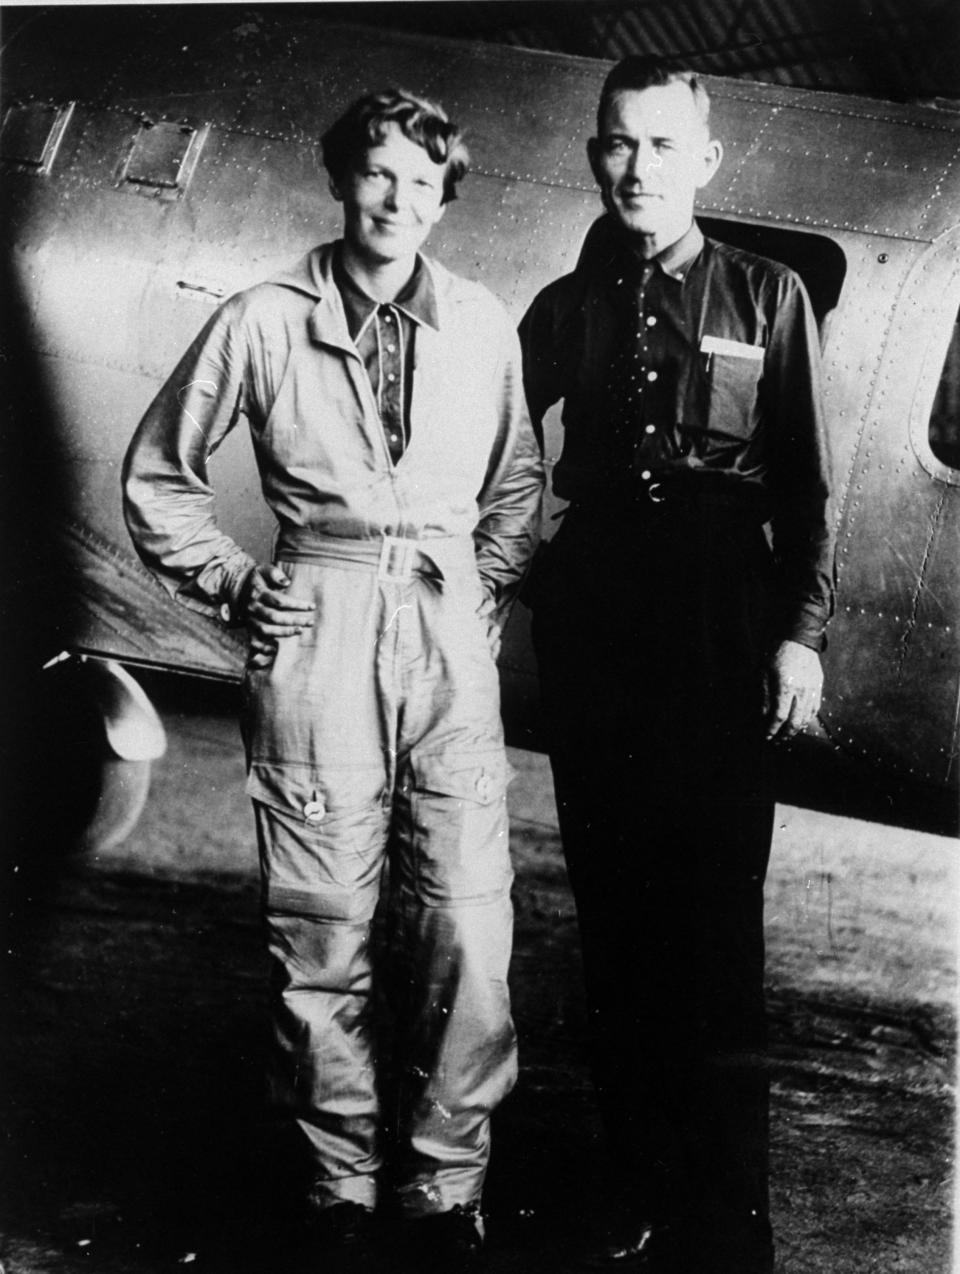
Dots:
(31, 134)
(289, 208)
(873, 175)
(741, 122)
(33, 209)
(935, 302)
(162, 157)
(93, 326)
(854, 339)
(209, 69)
(867, 684)
(321, 77)
(100, 415)
(261, 204)
(530, 126)
(97, 213)
(471, 224)
(86, 264)
(899, 547)
(550, 230)
(512, 238)
(938, 586)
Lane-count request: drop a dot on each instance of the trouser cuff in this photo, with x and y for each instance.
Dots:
(327, 1193)
(428, 1198)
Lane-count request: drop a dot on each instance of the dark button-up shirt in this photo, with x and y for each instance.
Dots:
(384, 334)
(702, 365)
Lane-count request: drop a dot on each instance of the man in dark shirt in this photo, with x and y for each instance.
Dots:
(674, 645)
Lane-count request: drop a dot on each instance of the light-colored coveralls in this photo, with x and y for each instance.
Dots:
(377, 730)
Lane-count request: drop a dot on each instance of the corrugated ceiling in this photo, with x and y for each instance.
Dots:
(901, 50)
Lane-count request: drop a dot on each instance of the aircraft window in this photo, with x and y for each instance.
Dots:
(31, 134)
(162, 158)
(819, 261)
(945, 417)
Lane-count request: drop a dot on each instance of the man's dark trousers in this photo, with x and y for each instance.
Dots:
(651, 627)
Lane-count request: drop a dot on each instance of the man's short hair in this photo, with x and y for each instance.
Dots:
(639, 71)
(421, 121)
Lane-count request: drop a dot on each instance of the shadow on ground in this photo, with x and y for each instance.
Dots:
(136, 1136)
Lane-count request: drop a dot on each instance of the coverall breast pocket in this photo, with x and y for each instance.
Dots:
(733, 384)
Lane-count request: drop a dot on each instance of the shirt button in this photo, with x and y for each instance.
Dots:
(650, 429)
(391, 376)
(646, 475)
(651, 375)
(485, 787)
(651, 320)
(391, 349)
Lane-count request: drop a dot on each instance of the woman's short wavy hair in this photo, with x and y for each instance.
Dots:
(424, 122)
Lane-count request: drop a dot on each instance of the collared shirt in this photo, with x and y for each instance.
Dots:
(725, 387)
(384, 334)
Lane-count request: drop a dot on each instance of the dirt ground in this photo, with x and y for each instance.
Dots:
(135, 1136)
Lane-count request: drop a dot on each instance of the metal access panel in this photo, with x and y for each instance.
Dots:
(162, 158)
(31, 134)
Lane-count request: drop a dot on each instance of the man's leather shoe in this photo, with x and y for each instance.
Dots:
(446, 1242)
(339, 1240)
(650, 1248)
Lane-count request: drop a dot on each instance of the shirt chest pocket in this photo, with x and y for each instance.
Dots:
(732, 374)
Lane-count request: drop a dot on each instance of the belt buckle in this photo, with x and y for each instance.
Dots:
(397, 557)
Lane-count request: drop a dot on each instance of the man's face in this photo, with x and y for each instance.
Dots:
(392, 198)
(654, 153)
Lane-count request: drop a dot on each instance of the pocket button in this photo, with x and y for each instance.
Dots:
(314, 811)
(485, 787)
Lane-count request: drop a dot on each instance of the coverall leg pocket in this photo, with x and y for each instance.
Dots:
(321, 837)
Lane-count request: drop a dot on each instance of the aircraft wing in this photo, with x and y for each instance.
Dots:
(121, 612)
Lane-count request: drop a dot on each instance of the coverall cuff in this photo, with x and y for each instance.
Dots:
(328, 1192)
(227, 584)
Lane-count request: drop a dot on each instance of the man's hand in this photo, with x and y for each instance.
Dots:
(269, 615)
(792, 689)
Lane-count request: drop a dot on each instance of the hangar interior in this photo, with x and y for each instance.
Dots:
(134, 984)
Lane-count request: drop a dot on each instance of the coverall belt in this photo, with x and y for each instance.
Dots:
(395, 558)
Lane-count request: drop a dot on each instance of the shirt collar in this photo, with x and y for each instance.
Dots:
(417, 299)
(676, 260)
(607, 250)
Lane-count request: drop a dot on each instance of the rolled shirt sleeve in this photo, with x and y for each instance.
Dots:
(802, 521)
